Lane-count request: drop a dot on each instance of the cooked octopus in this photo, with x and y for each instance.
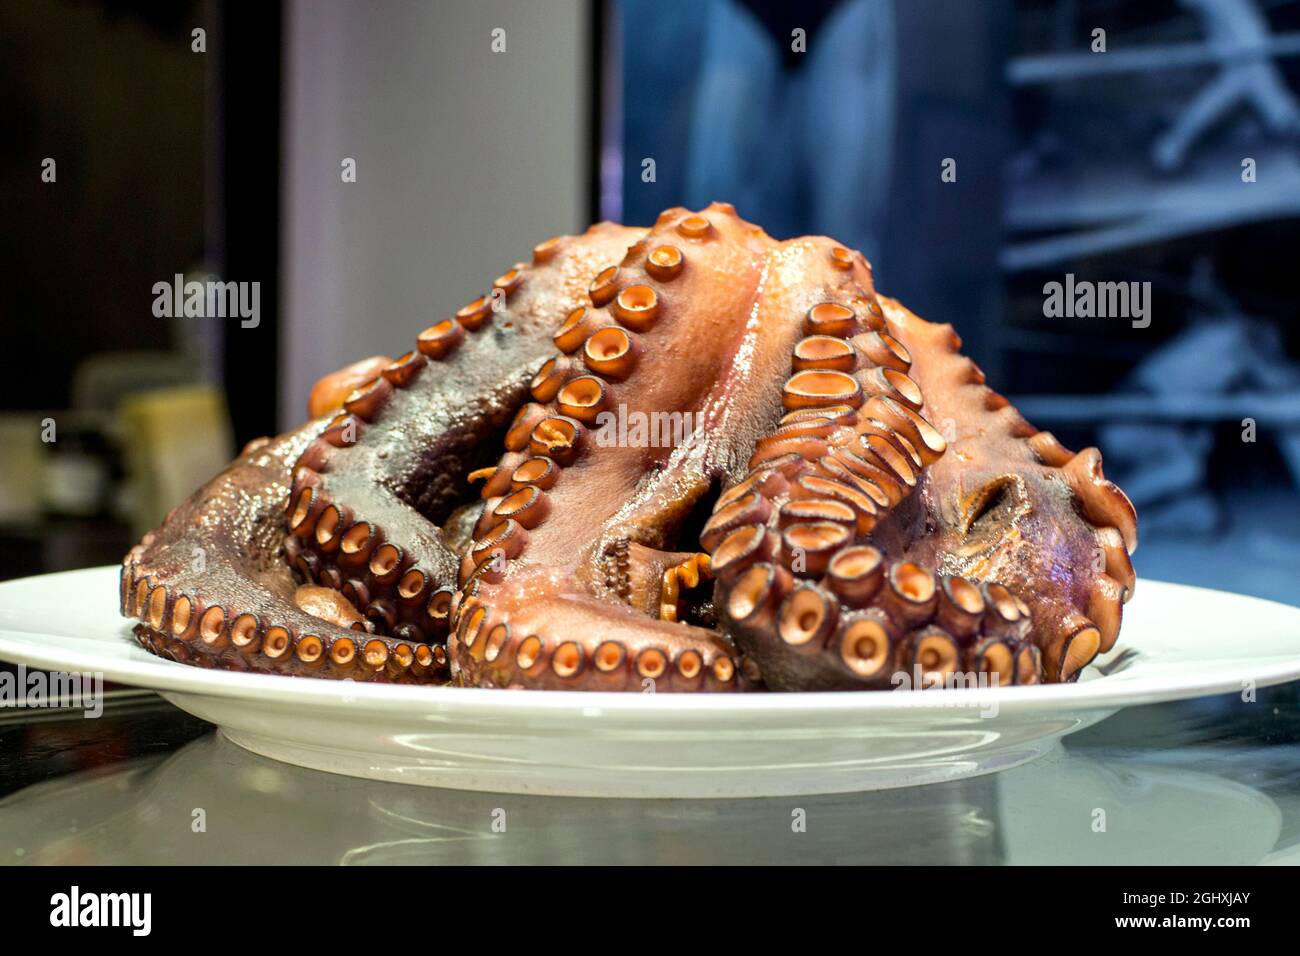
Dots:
(684, 458)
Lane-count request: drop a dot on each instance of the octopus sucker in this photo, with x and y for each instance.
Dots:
(689, 458)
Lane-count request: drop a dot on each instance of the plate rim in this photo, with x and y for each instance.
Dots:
(1097, 693)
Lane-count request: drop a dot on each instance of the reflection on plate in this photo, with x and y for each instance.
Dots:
(1178, 642)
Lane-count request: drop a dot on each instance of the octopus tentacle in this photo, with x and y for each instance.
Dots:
(387, 552)
(1042, 522)
(706, 460)
(692, 274)
(206, 592)
(411, 424)
(802, 589)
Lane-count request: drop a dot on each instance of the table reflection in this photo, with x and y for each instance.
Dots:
(1111, 795)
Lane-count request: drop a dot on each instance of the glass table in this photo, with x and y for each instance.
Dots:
(1213, 781)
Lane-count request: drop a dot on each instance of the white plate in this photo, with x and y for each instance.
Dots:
(1177, 642)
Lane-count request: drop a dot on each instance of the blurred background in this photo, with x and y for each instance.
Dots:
(974, 151)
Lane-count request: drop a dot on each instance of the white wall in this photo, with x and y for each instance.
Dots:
(465, 159)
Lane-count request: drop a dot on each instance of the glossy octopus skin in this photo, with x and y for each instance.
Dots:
(1010, 504)
(876, 510)
(993, 553)
(220, 584)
